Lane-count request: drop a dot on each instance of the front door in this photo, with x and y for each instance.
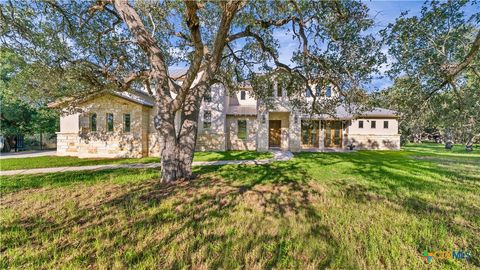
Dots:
(333, 134)
(274, 133)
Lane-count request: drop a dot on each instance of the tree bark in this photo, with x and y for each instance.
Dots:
(187, 137)
(165, 125)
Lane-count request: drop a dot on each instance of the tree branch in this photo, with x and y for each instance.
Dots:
(148, 45)
(193, 24)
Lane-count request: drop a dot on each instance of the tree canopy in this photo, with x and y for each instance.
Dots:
(435, 64)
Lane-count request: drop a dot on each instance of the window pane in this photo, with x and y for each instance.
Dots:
(126, 122)
(93, 122)
(242, 95)
(242, 129)
(318, 90)
(328, 92)
(374, 124)
(208, 95)
(360, 124)
(109, 121)
(207, 119)
(279, 90)
(385, 124)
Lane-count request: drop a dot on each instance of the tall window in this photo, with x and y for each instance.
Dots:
(126, 122)
(360, 124)
(374, 124)
(243, 95)
(242, 129)
(308, 93)
(109, 121)
(93, 122)
(385, 124)
(207, 119)
(328, 92)
(279, 90)
(318, 90)
(207, 97)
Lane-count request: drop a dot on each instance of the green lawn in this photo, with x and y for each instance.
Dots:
(54, 161)
(358, 210)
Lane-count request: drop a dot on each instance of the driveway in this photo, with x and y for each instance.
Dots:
(25, 154)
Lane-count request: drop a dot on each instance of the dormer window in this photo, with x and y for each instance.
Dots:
(328, 92)
(243, 95)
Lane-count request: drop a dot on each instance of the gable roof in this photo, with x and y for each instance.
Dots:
(137, 97)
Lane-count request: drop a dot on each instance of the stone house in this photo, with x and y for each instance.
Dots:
(121, 125)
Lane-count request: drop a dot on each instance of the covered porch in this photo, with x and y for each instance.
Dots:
(316, 134)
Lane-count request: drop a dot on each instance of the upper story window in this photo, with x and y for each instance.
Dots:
(243, 95)
(318, 90)
(207, 119)
(373, 124)
(328, 92)
(360, 124)
(93, 122)
(242, 129)
(308, 93)
(385, 124)
(279, 90)
(109, 122)
(207, 97)
(126, 122)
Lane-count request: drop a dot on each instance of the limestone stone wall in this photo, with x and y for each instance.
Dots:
(235, 143)
(102, 143)
(262, 131)
(374, 142)
(67, 144)
(213, 138)
(295, 133)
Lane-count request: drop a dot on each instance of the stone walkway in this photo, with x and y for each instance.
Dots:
(277, 156)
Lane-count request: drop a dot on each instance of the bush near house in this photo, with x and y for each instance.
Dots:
(358, 210)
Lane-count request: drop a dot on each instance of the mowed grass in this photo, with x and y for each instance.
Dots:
(55, 161)
(360, 210)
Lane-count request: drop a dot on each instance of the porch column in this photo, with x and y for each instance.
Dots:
(294, 132)
(262, 133)
(321, 137)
